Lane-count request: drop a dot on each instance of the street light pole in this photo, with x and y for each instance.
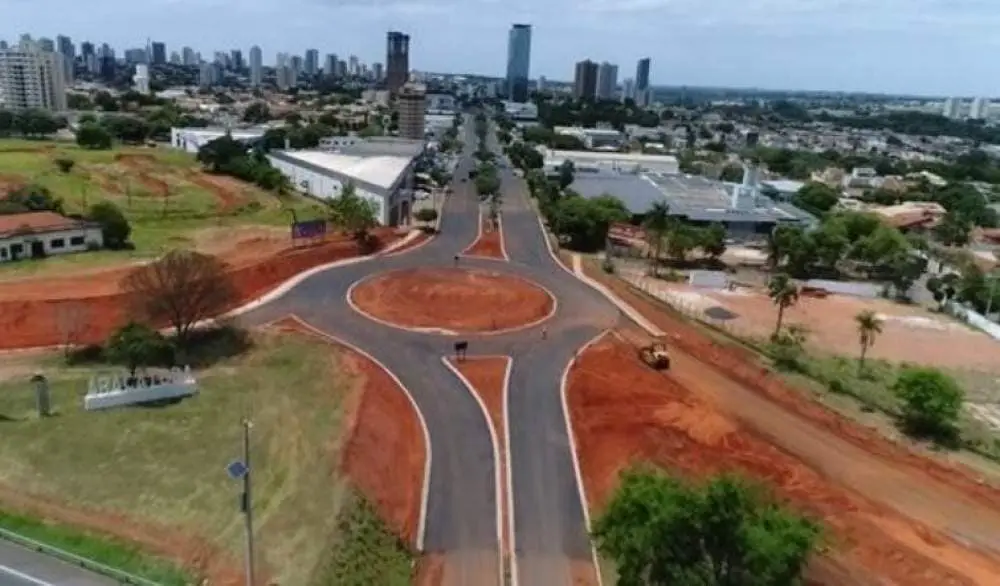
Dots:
(247, 503)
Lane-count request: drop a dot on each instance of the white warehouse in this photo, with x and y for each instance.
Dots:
(386, 180)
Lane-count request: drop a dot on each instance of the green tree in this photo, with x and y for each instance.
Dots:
(93, 136)
(566, 174)
(782, 241)
(656, 223)
(713, 240)
(354, 213)
(660, 531)
(426, 215)
(129, 129)
(869, 327)
(681, 241)
(816, 198)
(932, 402)
(30, 198)
(219, 152)
(584, 222)
(954, 230)
(6, 122)
(784, 293)
(115, 228)
(136, 345)
(257, 113)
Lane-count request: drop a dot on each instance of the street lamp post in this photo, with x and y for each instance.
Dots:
(240, 470)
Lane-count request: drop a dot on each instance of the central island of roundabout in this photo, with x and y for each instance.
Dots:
(452, 301)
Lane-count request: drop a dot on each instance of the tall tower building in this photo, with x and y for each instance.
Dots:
(330, 65)
(236, 59)
(518, 62)
(950, 109)
(159, 53)
(65, 47)
(607, 81)
(188, 57)
(585, 80)
(628, 89)
(312, 62)
(397, 60)
(979, 109)
(31, 78)
(412, 104)
(353, 65)
(256, 66)
(141, 78)
(643, 94)
(378, 72)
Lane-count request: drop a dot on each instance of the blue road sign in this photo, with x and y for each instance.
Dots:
(237, 470)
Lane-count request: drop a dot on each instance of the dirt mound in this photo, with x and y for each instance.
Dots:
(489, 242)
(624, 412)
(228, 191)
(458, 300)
(35, 312)
(136, 160)
(384, 452)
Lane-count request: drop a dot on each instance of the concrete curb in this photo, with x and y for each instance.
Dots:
(479, 234)
(496, 453)
(425, 491)
(584, 503)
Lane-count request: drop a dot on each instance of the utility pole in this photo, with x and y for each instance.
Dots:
(247, 502)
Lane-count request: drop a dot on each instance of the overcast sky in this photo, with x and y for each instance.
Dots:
(934, 47)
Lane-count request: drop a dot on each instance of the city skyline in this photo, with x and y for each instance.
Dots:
(842, 45)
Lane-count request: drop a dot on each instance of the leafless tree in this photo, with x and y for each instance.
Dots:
(181, 288)
(71, 319)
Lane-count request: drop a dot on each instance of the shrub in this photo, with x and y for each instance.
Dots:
(114, 226)
(65, 164)
(932, 403)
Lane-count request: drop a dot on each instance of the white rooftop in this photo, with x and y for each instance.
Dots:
(381, 171)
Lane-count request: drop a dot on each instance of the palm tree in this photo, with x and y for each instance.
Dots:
(869, 327)
(657, 223)
(782, 290)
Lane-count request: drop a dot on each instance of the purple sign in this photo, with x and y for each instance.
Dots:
(308, 229)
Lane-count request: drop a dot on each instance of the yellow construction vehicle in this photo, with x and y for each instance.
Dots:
(655, 355)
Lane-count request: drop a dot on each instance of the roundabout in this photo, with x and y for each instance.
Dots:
(451, 301)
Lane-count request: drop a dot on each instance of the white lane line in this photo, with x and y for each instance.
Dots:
(22, 576)
(572, 446)
(425, 492)
(512, 545)
(479, 234)
(496, 455)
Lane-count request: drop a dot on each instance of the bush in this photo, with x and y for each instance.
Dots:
(426, 215)
(114, 226)
(65, 164)
(93, 136)
(932, 403)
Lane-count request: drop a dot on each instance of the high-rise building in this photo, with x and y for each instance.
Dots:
(209, 74)
(950, 109)
(378, 71)
(607, 81)
(159, 53)
(643, 93)
(341, 68)
(47, 45)
(412, 103)
(175, 58)
(540, 84)
(330, 65)
(585, 80)
(65, 47)
(236, 59)
(3, 45)
(518, 62)
(312, 62)
(187, 56)
(86, 49)
(397, 60)
(353, 65)
(141, 78)
(628, 89)
(979, 109)
(31, 78)
(256, 66)
(296, 64)
(134, 56)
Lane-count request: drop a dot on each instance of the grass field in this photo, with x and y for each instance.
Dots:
(166, 466)
(162, 191)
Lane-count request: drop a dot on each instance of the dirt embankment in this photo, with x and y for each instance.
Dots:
(43, 312)
(624, 412)
(488, 377)
(383, 444)
(457, 300)
(489, 242)
(228, 191)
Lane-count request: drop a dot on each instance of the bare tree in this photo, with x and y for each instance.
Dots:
(71, 319)
(181, 288)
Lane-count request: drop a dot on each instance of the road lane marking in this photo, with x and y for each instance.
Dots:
(22, 576)
(496, 455)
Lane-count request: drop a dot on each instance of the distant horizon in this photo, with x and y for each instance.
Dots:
(892, 47)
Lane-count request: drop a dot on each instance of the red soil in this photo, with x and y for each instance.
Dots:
(35, 312)
(228, 191)
(384, 452)
(9, 183)
(458, 300)
(487, 375)
(622, 412)
(430, 570)
(489, 242)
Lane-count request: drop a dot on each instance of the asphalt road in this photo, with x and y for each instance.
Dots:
(23, 567)
(549, 526)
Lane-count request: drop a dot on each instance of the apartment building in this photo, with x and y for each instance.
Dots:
(31, 78)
